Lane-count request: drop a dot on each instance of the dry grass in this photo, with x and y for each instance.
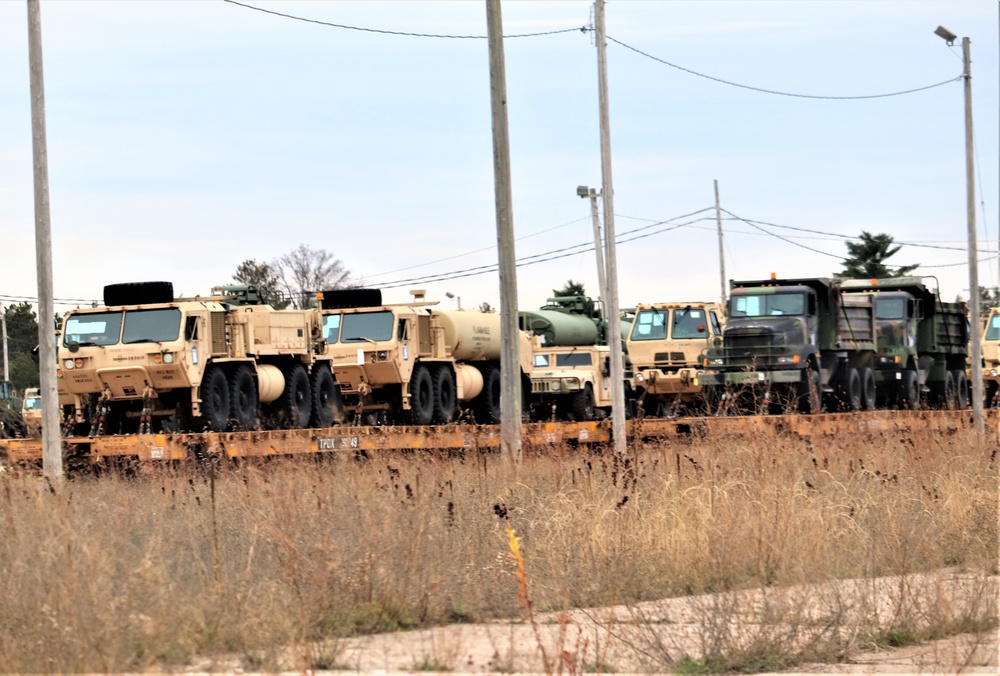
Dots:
(113, 574)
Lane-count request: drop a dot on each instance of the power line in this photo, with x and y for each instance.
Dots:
(469, 253)
(785, 239)
(582, 29)
(779, 93)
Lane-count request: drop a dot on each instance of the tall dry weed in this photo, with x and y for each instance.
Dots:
(178, 565)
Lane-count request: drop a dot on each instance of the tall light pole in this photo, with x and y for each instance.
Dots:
(458, 299)
(602, 282)
(970, 205)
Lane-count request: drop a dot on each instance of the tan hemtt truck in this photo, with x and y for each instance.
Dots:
(665, 345)
(148, 362)
(410, 362)
(991, 359)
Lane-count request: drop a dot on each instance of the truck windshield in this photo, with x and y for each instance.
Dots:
(32, 403)
(770, 305)
(650, 325)
(366, 326)
(574, 359)
(890, 308)
(151, 326)
(331, 328)
(993, 330)
(689, 323)
(93, 328)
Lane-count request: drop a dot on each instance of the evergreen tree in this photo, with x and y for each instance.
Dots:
(866, 258)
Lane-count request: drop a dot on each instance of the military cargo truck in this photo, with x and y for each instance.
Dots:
(792, 344)
(666, 347)
(147, 361)
(570, 373)
(411, 362)
(921, 342)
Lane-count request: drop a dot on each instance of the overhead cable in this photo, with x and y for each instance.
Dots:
(779, 93)
(380, 31)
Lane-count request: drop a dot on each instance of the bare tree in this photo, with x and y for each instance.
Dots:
(304, 271)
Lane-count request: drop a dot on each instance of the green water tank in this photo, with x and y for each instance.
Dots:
(560, 328)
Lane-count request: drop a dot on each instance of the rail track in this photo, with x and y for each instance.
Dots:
(536, 436)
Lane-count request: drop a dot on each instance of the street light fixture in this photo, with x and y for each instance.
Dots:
(970, 194)
(458, 299)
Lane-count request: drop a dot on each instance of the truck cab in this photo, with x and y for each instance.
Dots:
(666, 345)
(991, 359)
(789, 342)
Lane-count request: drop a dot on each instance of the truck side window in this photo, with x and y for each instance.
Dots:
(191, 328)
(716, 329)
(403, 334)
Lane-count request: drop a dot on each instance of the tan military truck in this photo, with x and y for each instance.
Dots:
(991, 359)
(665, 345)
(571, 383)
(31, 411)
(147, 361)
(411, 362)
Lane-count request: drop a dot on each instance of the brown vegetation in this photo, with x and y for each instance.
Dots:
(156, 570)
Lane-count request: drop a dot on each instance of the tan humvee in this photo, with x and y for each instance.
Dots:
(664, 346)
(991, 359)
(31, 411)
(411, 362)
(191, 363)
(571, 383)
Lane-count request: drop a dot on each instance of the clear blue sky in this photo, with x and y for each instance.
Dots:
(185, 137)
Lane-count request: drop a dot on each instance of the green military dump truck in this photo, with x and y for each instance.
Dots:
(793, 344)
(922, 343)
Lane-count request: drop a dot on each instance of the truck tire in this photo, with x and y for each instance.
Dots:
(215, 406)
(990, 393)
(908, 394)
(327, 405)
(421, 396)
(868, 394)
(296, 400)
(243, 398)
(582, 404)
(850, 394)
(961, 389)
(445, 396)
(486, 405)
(948, 400)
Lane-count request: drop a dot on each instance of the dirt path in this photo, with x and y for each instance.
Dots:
(653, 637)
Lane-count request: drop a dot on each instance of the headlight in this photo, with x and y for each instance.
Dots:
(68, 364)
(556, 386)
(382, 356)
(715, 362)
(639, 378)
(785, 360)
(168, 358)
(993, 372)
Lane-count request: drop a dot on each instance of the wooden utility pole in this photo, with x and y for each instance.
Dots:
(607, 193)
(722, 258)
(970, 194)
(510, 371)
(3, 326)
(51, 443)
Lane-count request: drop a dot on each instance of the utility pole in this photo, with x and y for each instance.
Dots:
(51, 443)
(607, 193)
(970, 194)
(3, 324)
(510, 372)
(722, 258)
(602, 282)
